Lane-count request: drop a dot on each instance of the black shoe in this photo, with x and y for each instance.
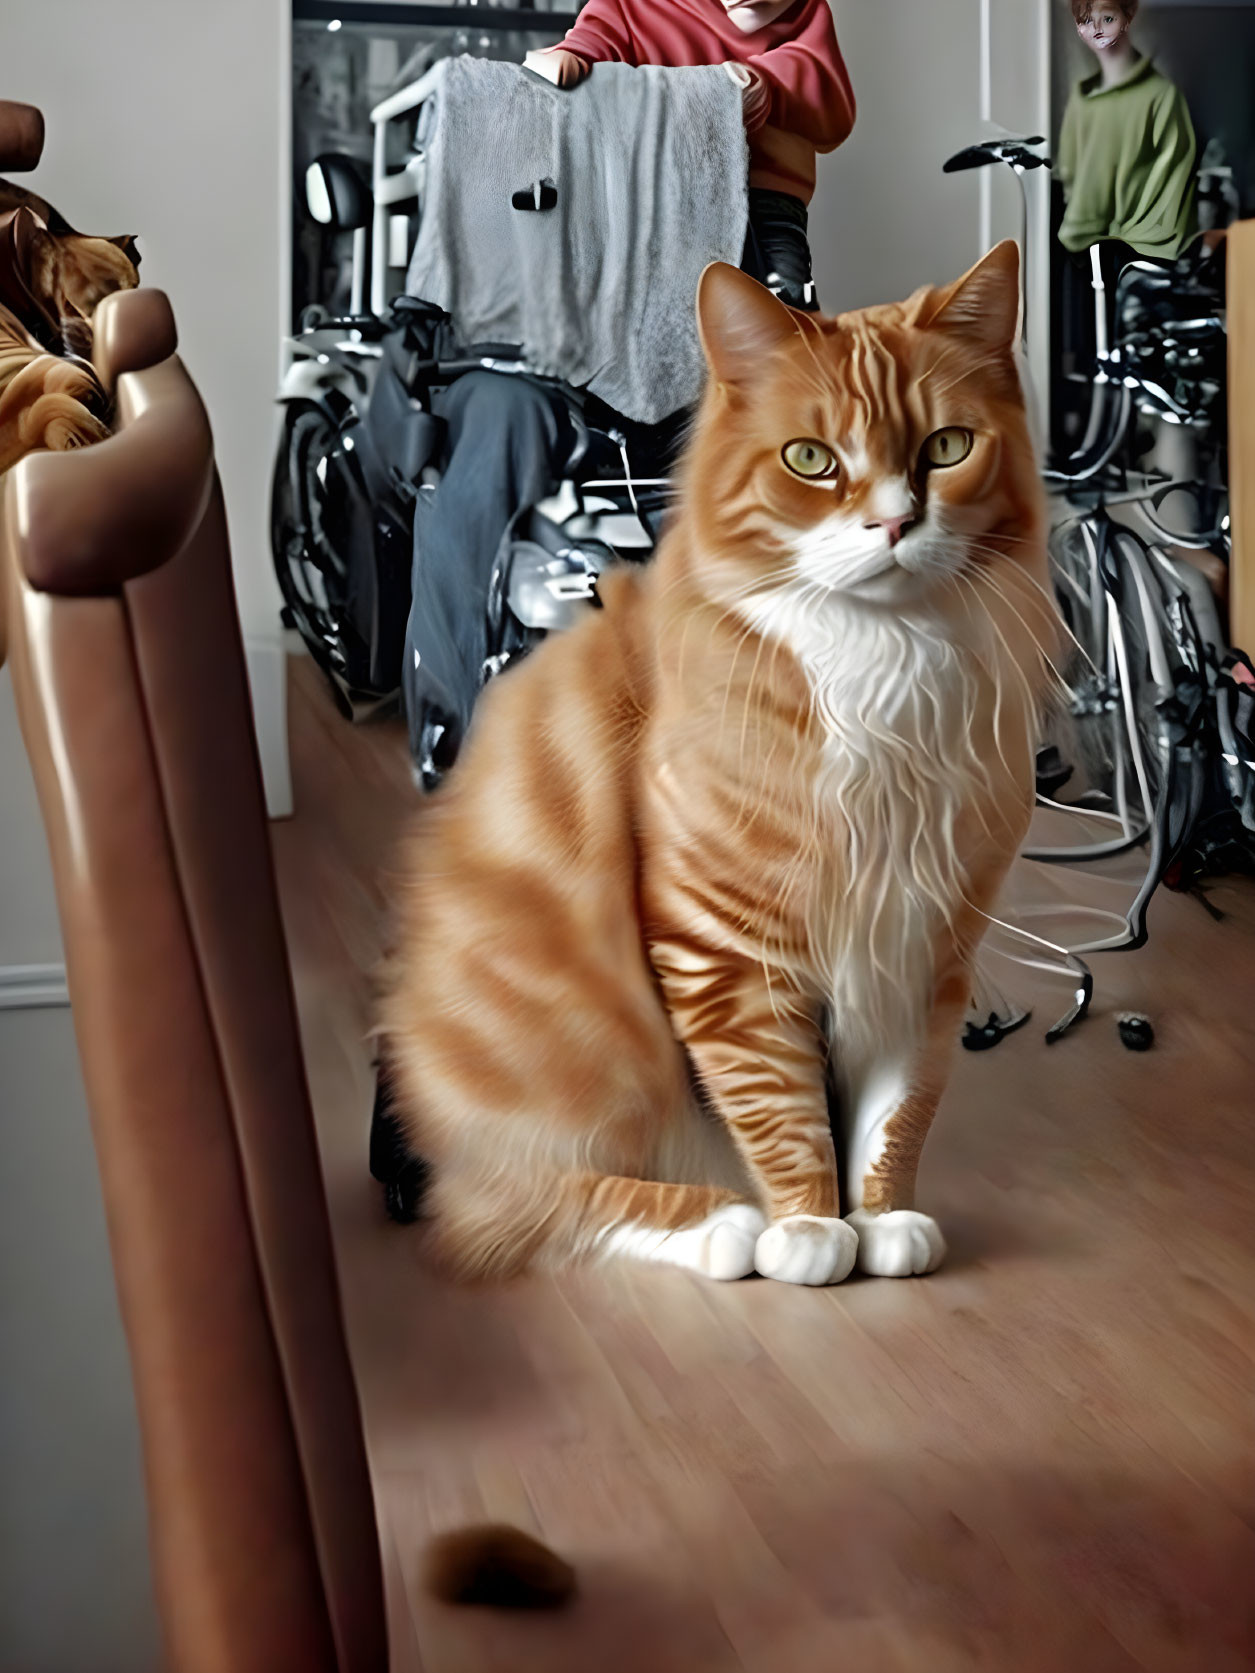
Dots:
(437, 750)
(402, 1175)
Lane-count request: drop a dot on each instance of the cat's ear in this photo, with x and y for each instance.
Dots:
(984, 303)
(741, 323)
(125, 242)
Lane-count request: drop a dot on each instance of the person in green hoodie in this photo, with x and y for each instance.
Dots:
(1127, 149)
(1126, 158)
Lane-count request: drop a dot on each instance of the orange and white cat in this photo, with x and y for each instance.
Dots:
(735, 835)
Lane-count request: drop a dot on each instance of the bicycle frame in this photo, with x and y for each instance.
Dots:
(1166, 809)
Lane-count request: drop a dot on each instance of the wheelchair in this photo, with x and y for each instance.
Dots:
(363, 439)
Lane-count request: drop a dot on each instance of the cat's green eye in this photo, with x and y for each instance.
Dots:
(948, 447)
(810, 459)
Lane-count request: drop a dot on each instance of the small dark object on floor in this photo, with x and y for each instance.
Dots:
(984, 1036)
(1136, 1032)
(498, 1566)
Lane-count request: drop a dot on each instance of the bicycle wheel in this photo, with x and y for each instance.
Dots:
(311, 570)
(1143, 753)
(1111, 731)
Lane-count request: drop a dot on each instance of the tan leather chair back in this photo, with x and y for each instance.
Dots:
(129, 675)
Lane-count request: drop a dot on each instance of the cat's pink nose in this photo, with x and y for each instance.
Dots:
(894, 527)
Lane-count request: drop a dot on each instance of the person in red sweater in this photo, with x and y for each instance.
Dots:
(796, 96)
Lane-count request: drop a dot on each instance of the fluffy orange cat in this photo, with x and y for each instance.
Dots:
(735, 835)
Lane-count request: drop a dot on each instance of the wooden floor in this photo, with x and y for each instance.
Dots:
(1039, 1460)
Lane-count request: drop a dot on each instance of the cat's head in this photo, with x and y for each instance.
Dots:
(882, 457)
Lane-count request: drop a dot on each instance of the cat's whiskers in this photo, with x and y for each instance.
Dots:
(963, 589)
(1051, 605)
(723, 611)
(994, 580)
(1012, 662)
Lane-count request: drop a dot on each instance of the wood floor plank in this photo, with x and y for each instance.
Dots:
(1039, 1460)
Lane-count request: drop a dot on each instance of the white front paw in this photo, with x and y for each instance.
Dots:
(726, 1241)
(806, 1249)
(897, 1244)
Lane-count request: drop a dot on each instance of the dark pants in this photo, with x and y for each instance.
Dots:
(508, 441)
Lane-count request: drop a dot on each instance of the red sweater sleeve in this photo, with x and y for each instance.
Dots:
(809, 84)
(599, 35)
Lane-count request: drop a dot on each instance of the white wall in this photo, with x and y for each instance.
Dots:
(929, 77)
(168, 119)
(884, 218)
(29, 934)
(75, 1584)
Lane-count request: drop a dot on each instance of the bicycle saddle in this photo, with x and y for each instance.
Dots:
(336, 192)
(989, 151)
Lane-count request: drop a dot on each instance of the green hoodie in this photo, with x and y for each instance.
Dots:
(1126, 159)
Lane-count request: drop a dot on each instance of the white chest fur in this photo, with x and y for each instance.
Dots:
(898, 702)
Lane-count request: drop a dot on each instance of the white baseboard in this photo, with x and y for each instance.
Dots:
(268, 681)
(26, 987)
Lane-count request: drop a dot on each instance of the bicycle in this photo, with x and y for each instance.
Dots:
(1145, 712)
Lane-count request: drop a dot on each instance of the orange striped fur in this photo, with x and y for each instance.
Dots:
(45, 401)
(729, 842)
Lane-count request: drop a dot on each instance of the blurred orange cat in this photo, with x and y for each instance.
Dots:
(732, 839)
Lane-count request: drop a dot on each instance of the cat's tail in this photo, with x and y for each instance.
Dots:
(498, 1225)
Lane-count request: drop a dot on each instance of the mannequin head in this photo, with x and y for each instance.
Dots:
(1104, 25)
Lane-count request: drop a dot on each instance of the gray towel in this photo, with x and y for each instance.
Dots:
(650, 167)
